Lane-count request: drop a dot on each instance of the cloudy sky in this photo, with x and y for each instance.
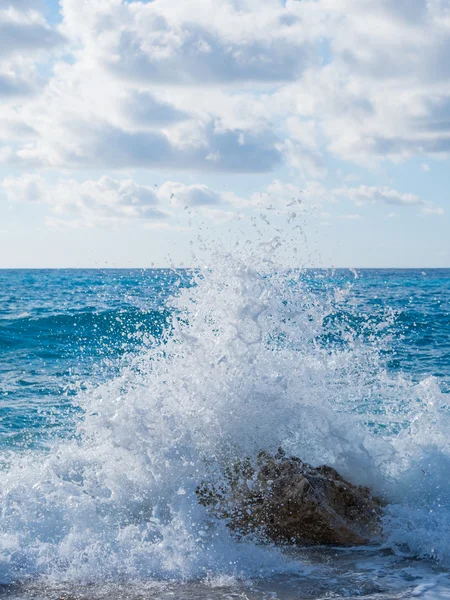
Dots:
(128, 128)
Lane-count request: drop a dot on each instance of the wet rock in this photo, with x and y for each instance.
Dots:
(286, 501)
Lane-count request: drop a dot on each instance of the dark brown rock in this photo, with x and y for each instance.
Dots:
(286, 501)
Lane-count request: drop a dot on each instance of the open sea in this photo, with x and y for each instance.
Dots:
(121, 390)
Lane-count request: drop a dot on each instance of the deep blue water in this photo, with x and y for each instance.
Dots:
(61, 330)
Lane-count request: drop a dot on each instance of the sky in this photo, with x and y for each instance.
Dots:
(130, 130)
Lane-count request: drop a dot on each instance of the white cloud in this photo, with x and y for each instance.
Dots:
(112, 201)
(81, 144)
(90, 203)
(25, 41)
(142, 109)
(383, 95)
(109, 201)
(22, 33)
(290, 198)
(86, 120)
(315, 194)
(192, 42)
(235, 86)
(190, 195)
(385, 92)
(101, 108)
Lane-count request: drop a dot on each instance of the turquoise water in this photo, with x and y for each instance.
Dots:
(120, 388)
(62, 329)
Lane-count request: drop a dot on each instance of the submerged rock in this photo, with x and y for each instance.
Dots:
(286, 501)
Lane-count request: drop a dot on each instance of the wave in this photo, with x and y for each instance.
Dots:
(251, 360)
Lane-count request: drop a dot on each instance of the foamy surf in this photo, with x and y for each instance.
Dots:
(254, 358)
(327, 572)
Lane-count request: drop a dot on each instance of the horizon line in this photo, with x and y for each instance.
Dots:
(192, 268)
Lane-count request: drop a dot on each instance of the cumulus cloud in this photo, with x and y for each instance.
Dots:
(90, 203)
(194, 42)
(25, 41)
(230, 86)
(191, 195)
(109, 201)
(112, 201)
(364, 195)
(201, 56)
(382, 92)
(25, 33)
(289, 196)
(102, 145)
(142, 109)
(285, 196)
(88, 118)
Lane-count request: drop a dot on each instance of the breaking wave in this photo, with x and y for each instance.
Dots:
(254, 357)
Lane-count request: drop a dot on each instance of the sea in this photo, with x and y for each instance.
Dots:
(122, 390)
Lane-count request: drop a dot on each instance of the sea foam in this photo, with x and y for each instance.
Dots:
(255, 357)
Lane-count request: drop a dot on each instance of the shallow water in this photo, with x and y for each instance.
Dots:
(121, 390)
(323, 573)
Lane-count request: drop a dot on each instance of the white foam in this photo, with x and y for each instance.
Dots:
(241, 370)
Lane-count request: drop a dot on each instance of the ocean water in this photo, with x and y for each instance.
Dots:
(121, 390)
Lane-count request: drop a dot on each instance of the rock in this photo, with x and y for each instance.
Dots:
(284, 500)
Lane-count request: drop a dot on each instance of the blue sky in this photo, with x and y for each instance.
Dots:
(128, 129)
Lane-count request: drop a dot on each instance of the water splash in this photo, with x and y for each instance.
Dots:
(256, 357)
